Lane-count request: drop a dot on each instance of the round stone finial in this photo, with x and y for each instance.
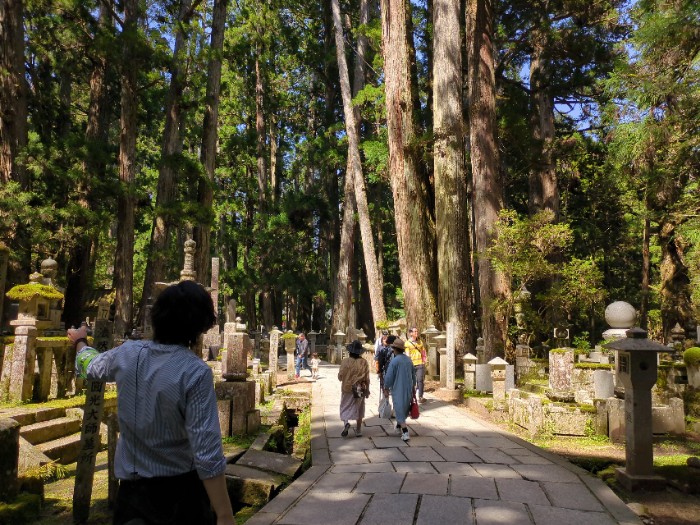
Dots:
(620, 315)
(35, 277)
(49, 268)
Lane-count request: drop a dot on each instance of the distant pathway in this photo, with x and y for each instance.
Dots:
(455, 469)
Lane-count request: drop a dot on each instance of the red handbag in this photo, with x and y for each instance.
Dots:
(414, 411)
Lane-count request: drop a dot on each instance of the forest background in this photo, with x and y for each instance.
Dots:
(353, 162)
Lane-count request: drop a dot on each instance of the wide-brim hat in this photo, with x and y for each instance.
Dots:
(398, 344)
(355, 347)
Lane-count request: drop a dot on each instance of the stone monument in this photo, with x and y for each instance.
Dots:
(236, 394)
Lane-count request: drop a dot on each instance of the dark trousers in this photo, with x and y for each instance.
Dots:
(172, 500)
(420, 380)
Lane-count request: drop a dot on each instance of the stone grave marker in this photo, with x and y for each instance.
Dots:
(483, 377)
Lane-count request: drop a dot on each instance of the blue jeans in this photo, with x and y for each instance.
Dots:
(301, 362)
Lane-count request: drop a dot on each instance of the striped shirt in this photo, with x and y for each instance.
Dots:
(168, 418)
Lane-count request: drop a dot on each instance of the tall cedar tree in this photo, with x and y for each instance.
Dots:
(415, 230)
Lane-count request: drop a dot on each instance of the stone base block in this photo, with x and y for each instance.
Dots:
(451, 394)
(235, 400)
(636, 482)
(253, 422)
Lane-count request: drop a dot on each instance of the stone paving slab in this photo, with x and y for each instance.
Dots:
(548, 515)
(521, 491)
(472, 487)
(493, 455)
(365, 467)
(571, 496)
(420, 467)
(349, 457)
(493, 470)
(379, 483)
(390, 509)
(381, 455)
(422, 454)
(324, 508)
(444, 510)
(416, 483)
(490, 512)
(545, 473)
(388, 442)
(457, 454)
(336, 482)
(457, 469)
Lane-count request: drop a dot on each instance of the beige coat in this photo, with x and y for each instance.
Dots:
(351, 371)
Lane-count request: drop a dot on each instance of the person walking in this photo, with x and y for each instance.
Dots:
(169, 457)
(399, 380)
(416, 351)
(354, 388)
(383, 357)
(301, 354)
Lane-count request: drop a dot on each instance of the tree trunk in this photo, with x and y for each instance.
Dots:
(331, 229)
(454, 272)
(13, 93)
(488, 188)
(260, 131)
(675, 283)
(414, 225)
(544, 192)
(124, 258)
(646, 275)
(205, 190)
(166, 192)
(78, 266)
(354, 164)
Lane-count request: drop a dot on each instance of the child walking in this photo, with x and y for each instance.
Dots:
(315, 362)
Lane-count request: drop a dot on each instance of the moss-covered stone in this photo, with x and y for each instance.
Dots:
(594, 366)
(25, 292)
(691, 357)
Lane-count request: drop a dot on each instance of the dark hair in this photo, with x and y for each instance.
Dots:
(390, 340)
(181, 313)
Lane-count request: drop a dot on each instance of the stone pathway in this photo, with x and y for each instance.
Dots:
(455, 469)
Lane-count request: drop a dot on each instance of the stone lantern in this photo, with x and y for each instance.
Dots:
(337, 356)
(311, 336)
(35, 301)
(677, 336)
(637, 370)
(361, 336)
(432, 366)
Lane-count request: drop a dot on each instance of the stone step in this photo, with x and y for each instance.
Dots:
(36, 415)
(251, 486)
(271, 462)
(65, 450)
(50, 430)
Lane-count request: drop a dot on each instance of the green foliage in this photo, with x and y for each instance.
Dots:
(525, 249)
(580, 342)
(594, 366)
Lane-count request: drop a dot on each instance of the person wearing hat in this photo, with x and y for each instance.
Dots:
(400, 380)
(354, 378)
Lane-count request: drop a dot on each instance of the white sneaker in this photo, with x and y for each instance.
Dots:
(404, 435)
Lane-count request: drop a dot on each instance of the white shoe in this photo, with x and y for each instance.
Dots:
(404, 436)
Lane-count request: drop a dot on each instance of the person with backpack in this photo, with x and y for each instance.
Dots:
(382, 357)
